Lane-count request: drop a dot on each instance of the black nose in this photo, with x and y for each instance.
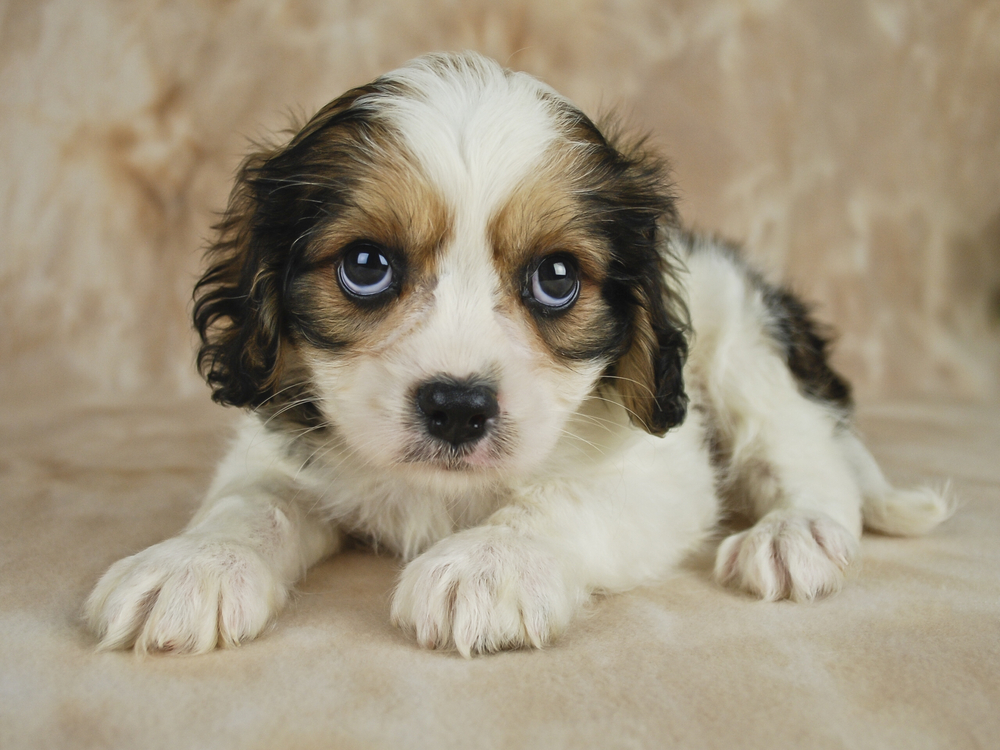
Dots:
(456, 412)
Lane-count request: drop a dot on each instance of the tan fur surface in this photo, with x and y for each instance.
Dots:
(905, 657)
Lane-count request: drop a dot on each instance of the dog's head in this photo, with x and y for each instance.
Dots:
(439, 267)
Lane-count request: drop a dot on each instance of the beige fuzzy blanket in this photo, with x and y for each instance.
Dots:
(854, 146)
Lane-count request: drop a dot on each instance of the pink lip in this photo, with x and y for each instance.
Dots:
(479, 458)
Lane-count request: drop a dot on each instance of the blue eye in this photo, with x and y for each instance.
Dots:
(364, 271)
(556, 281)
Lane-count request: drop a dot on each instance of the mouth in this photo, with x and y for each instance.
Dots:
(440, 455)
(484, 454)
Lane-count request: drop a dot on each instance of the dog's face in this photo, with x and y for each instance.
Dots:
(439, 268)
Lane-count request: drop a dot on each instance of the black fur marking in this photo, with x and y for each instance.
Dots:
(671, 400)
(632, 206)
(280, 198)
(806, 346)
(804, 341)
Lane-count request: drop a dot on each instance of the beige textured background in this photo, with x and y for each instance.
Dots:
(854, 146)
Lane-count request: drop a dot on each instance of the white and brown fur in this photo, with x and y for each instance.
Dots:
(678, 387)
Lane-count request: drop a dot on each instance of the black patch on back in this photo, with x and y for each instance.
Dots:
(806, 344)
(804, 341)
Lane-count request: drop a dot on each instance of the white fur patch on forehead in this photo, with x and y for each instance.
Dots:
(475, 129)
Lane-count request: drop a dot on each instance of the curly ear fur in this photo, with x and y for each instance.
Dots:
(237, 309)
(276, 203)
(640, 210)
(649, 375)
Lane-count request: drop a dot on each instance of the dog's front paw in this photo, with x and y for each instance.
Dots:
(185, 595)
(790, 554)
(483, 590)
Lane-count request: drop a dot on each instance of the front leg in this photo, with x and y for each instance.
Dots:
(518, 579)
(486, 589)
(220, 582)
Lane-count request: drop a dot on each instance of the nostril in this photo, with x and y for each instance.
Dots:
(455, 411)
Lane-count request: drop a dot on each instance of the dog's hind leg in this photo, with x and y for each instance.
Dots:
(775, 410)
(785, 468)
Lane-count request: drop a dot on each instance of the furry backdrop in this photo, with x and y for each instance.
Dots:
(853, 146)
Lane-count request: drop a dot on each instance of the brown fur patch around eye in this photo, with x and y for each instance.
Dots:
(605, 201)
(545, 215)
(392, 205)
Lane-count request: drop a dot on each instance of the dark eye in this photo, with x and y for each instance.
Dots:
(556, 281)
(364, 270)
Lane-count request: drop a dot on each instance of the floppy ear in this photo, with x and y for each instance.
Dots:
(643, 286)
(237, 310)
(649, 375)
(239, 306)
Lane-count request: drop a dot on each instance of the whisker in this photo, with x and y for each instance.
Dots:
(605, 424)
(571, 434)
(636, 382)
(291, 405)
(282, 390)
(619, 404)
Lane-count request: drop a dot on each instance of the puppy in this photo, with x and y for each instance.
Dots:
(466, 328)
